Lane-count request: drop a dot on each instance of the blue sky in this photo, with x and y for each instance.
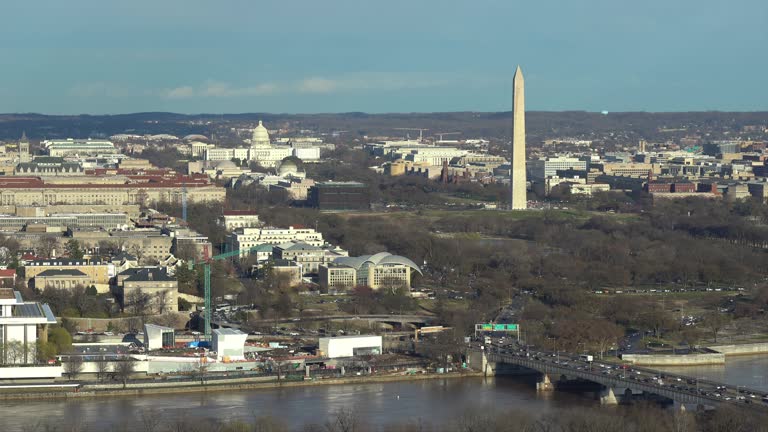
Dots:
(306, 56)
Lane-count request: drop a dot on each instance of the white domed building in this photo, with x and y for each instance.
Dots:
(291, 167)
(260, 137)
(262, 150)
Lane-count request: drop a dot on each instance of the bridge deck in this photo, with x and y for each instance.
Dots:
(614, 380)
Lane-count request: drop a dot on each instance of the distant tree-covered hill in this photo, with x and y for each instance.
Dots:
(652, 126)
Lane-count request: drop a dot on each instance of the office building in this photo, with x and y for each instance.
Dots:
(382, 270)
(107, 221)
(232, 219)
(244, 238)
(61, 279)
(308, 256)
(335, 196)
(108, 188)
(548, 167)
(99, 273)
(72, 147)
(47, 166)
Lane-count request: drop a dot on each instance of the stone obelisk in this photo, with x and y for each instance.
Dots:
(518, 175)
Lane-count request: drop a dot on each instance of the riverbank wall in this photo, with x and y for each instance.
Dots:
(740, 349)
(674, 360)
(133, 390)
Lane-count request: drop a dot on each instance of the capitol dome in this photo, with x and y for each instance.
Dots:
(260, 136)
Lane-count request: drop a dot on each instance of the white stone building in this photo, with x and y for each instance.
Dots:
(21, 325)
(244, 238)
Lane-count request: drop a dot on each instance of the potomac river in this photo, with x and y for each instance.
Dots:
(433, 400)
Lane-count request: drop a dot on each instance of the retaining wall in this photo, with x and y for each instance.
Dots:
(741, 349)
(674, 360)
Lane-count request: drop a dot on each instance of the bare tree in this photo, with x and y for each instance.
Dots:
(47, 246)
(344, 420)
(715, 322)
(80, 300)
(103, 368)
(138, 303)
(200, 370)
(124, 369)
(186, 251)
(14, 351)
(73, 366)
(161, 301)
(137, 250)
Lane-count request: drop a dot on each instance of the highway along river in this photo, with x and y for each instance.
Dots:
(376, 403)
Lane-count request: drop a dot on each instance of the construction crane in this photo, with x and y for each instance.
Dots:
(440, 134)
(207, 273)
(421, 131)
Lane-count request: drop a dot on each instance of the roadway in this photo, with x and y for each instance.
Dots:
(389, 318)
(676, 387)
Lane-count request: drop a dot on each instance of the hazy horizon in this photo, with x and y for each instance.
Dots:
(371, 113)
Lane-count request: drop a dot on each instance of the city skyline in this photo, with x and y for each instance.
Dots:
(195, 57)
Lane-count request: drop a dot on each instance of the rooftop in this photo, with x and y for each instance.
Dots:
(227, 331)
(297, 246)
(34, 310)
(340, 184)
(240, 213)
(57, 272)
(146, 274)
(62, 262)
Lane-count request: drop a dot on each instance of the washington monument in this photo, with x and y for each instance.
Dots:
(517, 176)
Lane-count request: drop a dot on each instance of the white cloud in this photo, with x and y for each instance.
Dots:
(216, 89)
(183, 92)
(317, 85)
(220, 89)
(371, 81)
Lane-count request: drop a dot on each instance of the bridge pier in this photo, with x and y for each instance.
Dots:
(607, 397)
(544, 384)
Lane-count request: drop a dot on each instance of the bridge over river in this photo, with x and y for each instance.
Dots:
(623, 381)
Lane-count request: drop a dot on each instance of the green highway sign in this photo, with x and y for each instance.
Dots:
(498, 327)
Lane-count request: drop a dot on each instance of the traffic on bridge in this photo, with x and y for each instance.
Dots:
(676, 387)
